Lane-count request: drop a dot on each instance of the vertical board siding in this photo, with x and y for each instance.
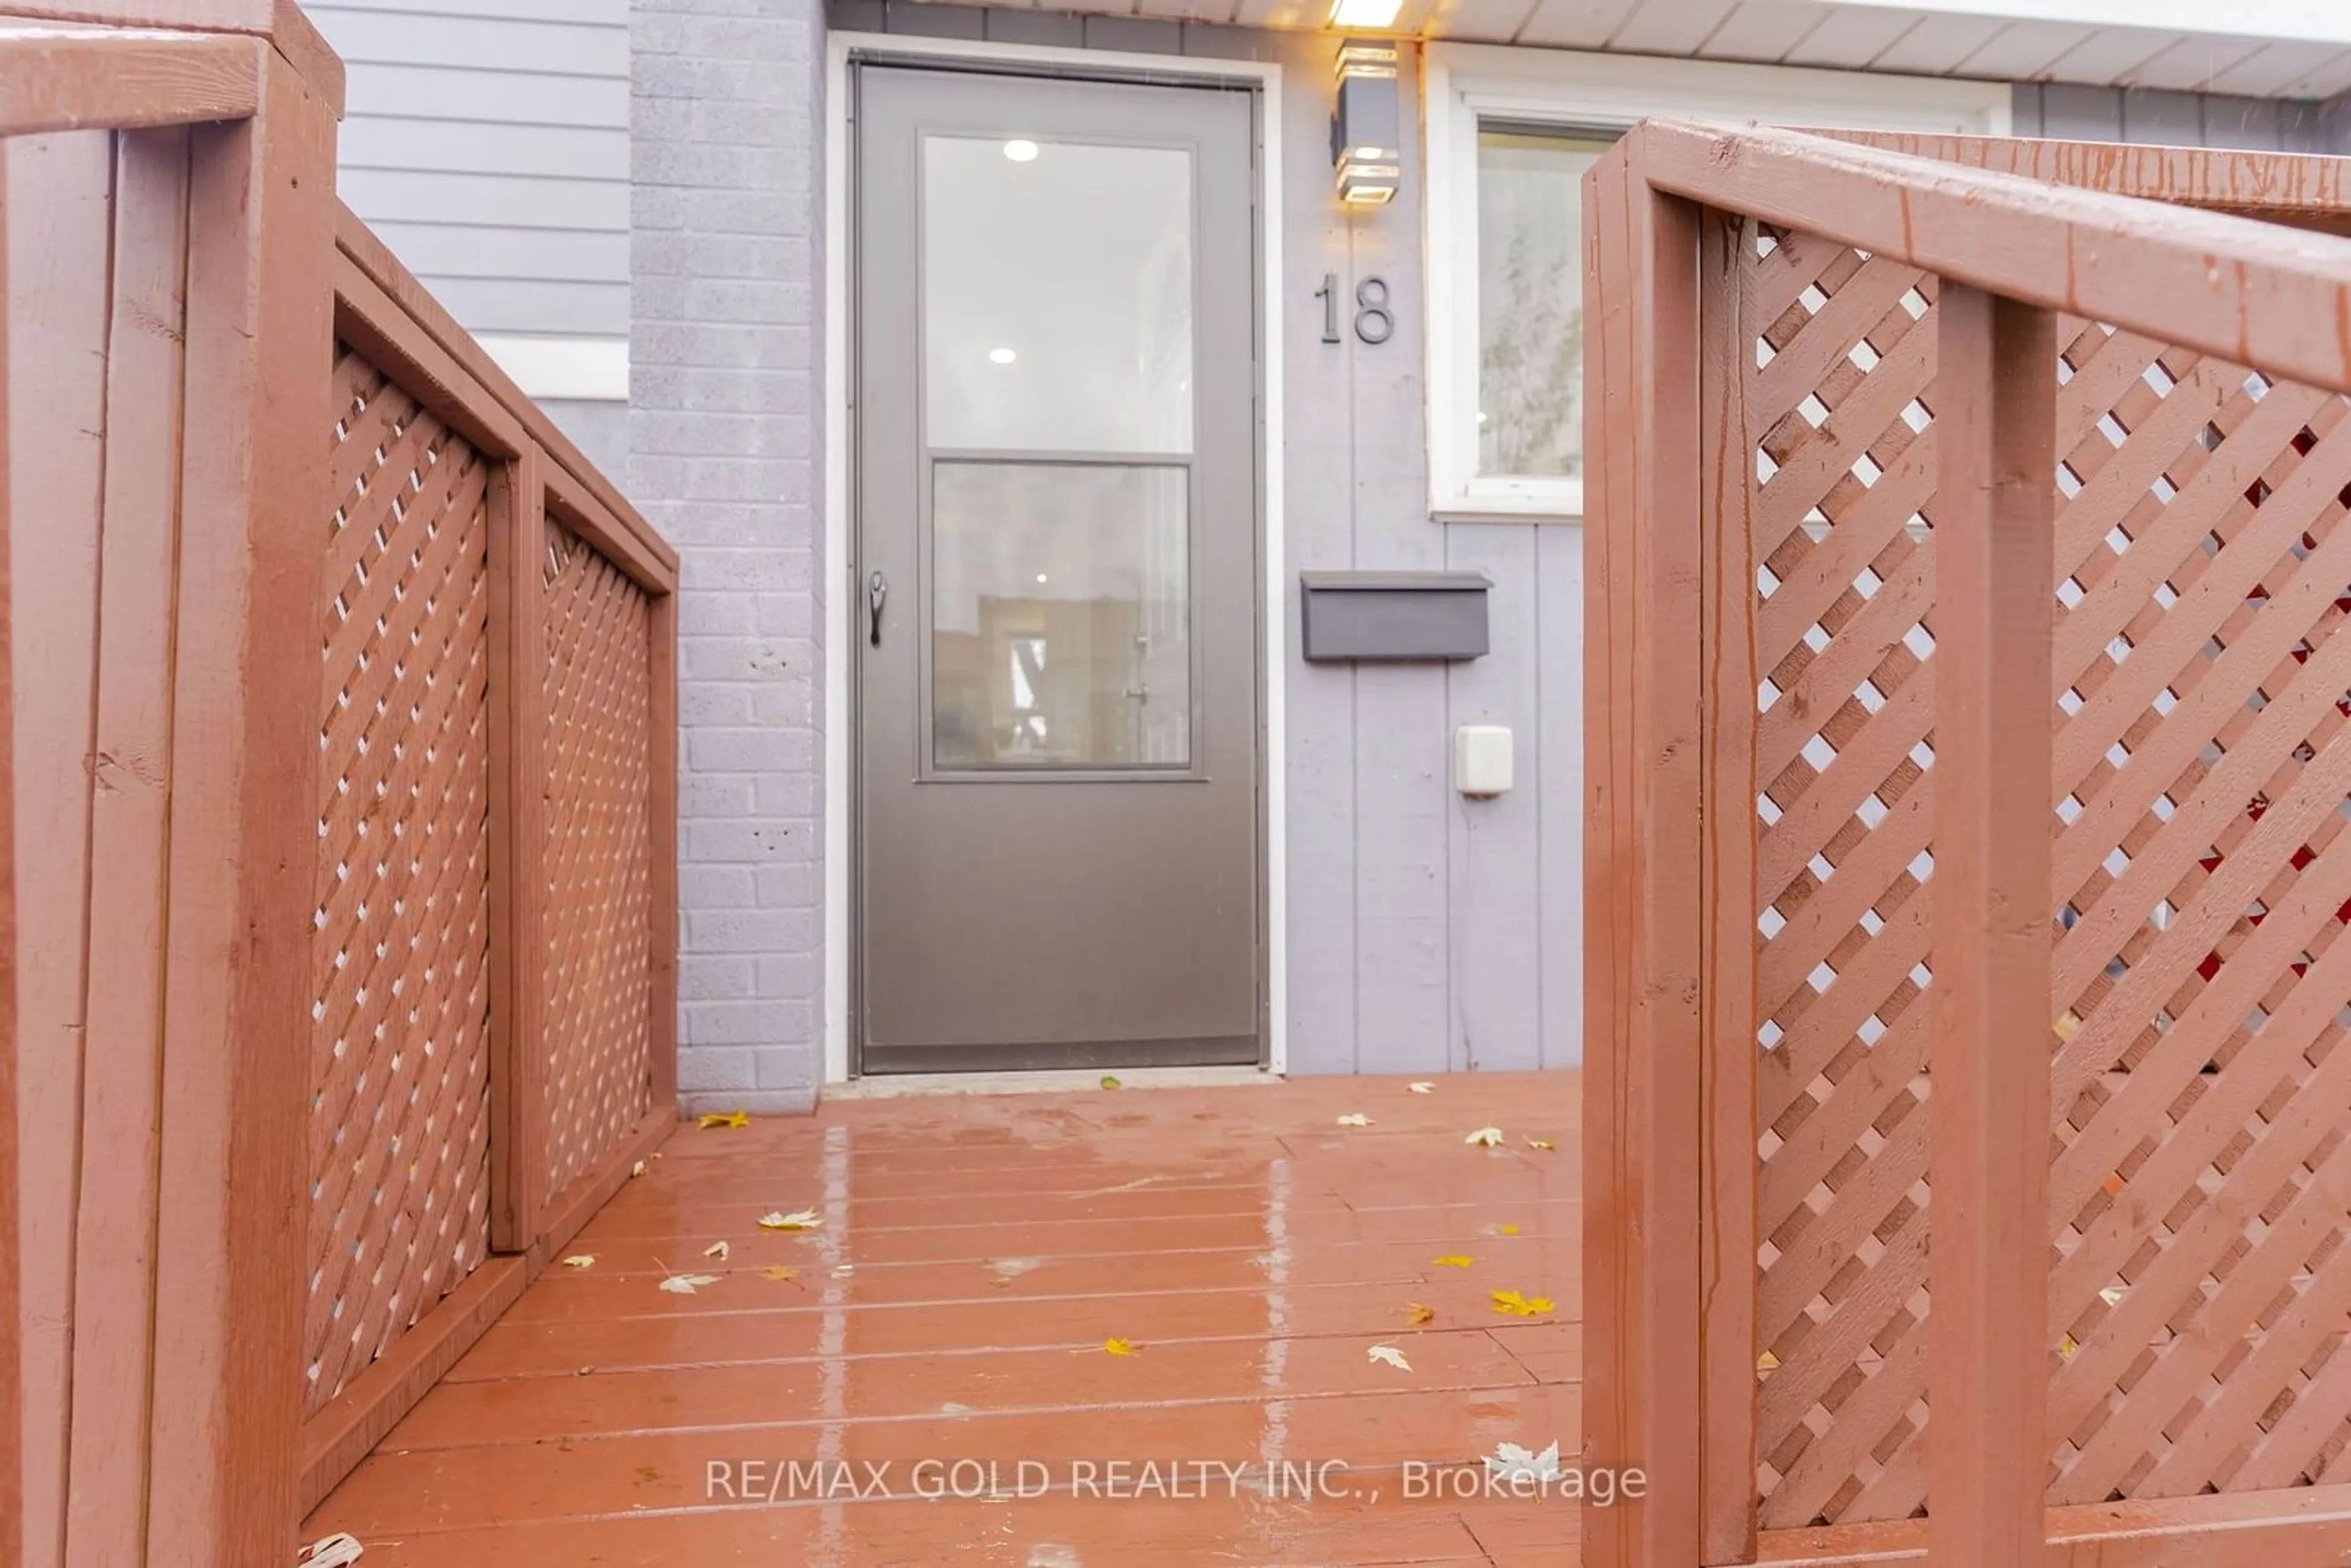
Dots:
(487, 142)
(1404, 911)
(1324, 701)
(2071, 112)
(1496, 849)
(1560, 720)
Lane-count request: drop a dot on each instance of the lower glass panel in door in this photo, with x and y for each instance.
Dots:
(1060, 610)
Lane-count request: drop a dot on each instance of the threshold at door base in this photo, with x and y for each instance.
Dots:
(900, 1085)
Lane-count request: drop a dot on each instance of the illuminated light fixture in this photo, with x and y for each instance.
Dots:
(1021, 150)
(1373, 14)
(1366, 142)
(1001, 356)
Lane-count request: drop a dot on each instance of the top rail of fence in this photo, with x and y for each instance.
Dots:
(2271, 297)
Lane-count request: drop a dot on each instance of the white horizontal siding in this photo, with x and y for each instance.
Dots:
(474, 95)
(487, 142)
(595, 42)
(479, 147)
(499, 201)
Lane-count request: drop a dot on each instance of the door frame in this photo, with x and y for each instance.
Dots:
(843, 50)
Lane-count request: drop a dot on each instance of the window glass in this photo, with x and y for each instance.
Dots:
(1530, 411)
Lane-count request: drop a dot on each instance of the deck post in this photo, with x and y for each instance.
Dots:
(1645, 1387)
(1995, 424)
(11, 1501)
(234, 1174)
(517, 563)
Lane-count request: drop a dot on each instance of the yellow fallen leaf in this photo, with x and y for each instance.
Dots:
(805, 1220)
(1391, 1355)
(1518, 1306)
(775, 1271)
(717, 1249)
(1355, 1119)
(1110, 1082)
(1422, 1088)
(1485, 1138)
(1505, 1229)
(724, 1119)
(1418, 1314)
(2067, 1347)
(1119, 1346)
(1452, 1260)
(1545, 1145)
(581, 1261)
(2068, 1026)
(1767, 1362)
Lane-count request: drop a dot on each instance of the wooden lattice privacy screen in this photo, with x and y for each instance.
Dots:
(2198, 648)
(344, 764)
(598, 1024)
(401, 1058)
(493, 1001)
(2197, 1201)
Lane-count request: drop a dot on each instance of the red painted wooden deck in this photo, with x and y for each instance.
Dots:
(951, 1310)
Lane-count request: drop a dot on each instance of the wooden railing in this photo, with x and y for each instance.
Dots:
(1970, 665)
(345, 725)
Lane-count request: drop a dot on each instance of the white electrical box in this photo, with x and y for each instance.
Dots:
(1481, 759)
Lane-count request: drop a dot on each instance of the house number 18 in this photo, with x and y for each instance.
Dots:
(1375, 323)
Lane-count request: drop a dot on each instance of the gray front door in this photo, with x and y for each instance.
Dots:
(1057, 548)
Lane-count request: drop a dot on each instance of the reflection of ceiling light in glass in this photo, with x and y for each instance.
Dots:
(1021, 150)
(1001, 356)
(1040, 577)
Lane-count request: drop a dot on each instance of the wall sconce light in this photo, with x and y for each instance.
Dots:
(1366, 146)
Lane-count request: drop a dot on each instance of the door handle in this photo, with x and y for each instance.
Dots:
(877, 593)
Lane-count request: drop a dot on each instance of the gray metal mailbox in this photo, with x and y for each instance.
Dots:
(1394, 614)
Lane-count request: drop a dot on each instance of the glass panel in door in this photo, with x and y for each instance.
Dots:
(1061, 632)
(1057, 296)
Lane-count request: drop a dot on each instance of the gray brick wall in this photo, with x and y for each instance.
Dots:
(726, 443)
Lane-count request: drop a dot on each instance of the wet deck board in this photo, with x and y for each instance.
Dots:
(949, 1315)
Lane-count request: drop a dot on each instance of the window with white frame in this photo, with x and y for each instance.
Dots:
(1511, 134)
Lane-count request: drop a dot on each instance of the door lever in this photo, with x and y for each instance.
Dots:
(877, 592)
